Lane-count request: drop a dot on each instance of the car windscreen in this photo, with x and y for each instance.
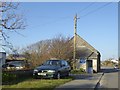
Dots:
(16, 63)
(52, 62)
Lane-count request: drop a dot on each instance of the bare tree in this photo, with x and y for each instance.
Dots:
(9, 19)
(38, 52)
(61, 48)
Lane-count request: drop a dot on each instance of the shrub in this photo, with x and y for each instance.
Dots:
(82, 70)
(7, 77)
(78, 71)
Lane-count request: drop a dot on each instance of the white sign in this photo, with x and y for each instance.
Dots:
(82, 61)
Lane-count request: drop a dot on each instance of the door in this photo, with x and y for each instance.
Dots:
(89, 66)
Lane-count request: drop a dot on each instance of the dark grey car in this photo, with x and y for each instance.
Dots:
(52, 69)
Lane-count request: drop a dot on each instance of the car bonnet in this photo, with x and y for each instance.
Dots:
(48, 67)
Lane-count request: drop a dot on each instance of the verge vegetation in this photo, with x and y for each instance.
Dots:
(10, 80)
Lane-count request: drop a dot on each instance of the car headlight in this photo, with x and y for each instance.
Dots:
(51, 71)
(35, 70)
(19, 67)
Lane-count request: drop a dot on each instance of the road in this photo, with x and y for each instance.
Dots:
(110, 78)
(107, 79)
(81, 82)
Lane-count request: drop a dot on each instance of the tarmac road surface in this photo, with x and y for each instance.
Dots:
(110, 78)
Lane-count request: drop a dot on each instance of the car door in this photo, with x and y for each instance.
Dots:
(62, 68)
(67, 67)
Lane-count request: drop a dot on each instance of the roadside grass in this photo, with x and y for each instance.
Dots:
(45, 84)
(78, 71)
(26, 81)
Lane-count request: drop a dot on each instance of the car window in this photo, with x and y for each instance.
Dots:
(17, 63)
(11, 65)
(52, 62)
(66, 63)
(63, 63)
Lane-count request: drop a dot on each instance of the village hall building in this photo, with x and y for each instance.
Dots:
(87, 57)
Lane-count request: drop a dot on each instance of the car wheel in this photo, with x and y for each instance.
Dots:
(58, 75)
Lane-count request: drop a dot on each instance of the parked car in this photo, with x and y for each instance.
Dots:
(52, 69)
(14, 65)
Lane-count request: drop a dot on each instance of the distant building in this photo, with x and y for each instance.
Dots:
(87, 56)
(16, 57)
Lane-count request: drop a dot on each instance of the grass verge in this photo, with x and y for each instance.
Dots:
(45, 84)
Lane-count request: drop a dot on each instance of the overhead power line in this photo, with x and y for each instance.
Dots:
(64, 18)
(96, 9)
(54, 21)
(86, 7)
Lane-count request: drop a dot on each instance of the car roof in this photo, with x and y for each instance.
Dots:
(55, 60)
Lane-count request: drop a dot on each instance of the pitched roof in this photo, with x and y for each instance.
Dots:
(84, 52)
(84, 49)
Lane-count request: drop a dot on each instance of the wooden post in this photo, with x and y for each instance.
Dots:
(75, 33)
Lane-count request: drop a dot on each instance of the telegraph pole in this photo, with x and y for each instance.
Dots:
(74, 49)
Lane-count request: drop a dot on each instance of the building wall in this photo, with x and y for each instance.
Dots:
(2, 58)
(95, 65)
(85, 50)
